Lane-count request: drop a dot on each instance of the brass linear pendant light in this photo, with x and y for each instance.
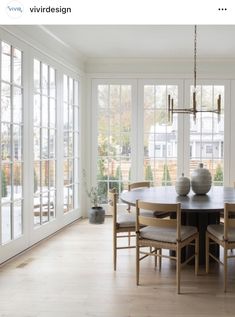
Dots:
(193, 110)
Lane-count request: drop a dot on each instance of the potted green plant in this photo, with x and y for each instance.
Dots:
(96, 213)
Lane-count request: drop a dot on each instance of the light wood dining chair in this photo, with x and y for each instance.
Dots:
(145, 184)
(163, 234)
(141, 185)
(137, 185)
(123, 225)
(223, 235)
(222, 212)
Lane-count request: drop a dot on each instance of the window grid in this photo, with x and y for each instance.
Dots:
(44, 143)
(11, 161)
(160, 136)
(71, 139)
(207, 133)
(114, 147)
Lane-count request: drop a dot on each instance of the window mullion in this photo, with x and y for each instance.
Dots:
(40, 141)
(1, 143)
(11, 145)
(48, 140)
(120, 133)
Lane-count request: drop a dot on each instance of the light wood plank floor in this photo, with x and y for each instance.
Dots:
(71, 275)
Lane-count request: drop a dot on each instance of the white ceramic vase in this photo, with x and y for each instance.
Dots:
(201, 180)
(182, 185)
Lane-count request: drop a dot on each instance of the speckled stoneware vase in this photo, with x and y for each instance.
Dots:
(201, 180)
(182, 185)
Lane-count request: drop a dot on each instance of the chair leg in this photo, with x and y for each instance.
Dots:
(225, 269)
(178, 268)
(207, 253)
(155, 257)
(129, 239)
(114, 251)
(137, 263)
(196, 254)
(160, 259)
(129, 234)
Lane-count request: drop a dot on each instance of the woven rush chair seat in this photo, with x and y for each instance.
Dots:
(155, 214)
(166, 234)
(126, 220)
(218, 232)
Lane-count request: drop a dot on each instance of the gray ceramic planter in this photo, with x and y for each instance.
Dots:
(96, 215)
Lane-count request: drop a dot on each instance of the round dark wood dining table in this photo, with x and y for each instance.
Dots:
(197, 210)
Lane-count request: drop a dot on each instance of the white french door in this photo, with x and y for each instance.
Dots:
(34, 139)
(14, 233)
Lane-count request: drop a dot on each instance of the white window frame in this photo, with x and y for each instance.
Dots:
(11, 202)
(76, 132)
(94, 126)
(228, 181)
(62, 219)
(40, 127)
(183, 153)
(180, 137)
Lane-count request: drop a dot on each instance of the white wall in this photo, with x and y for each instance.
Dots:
(37, 37)
(177, 68)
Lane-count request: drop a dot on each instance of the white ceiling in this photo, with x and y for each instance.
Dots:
(145, 41)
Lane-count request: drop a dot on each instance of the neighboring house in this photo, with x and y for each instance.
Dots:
(162, 144)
